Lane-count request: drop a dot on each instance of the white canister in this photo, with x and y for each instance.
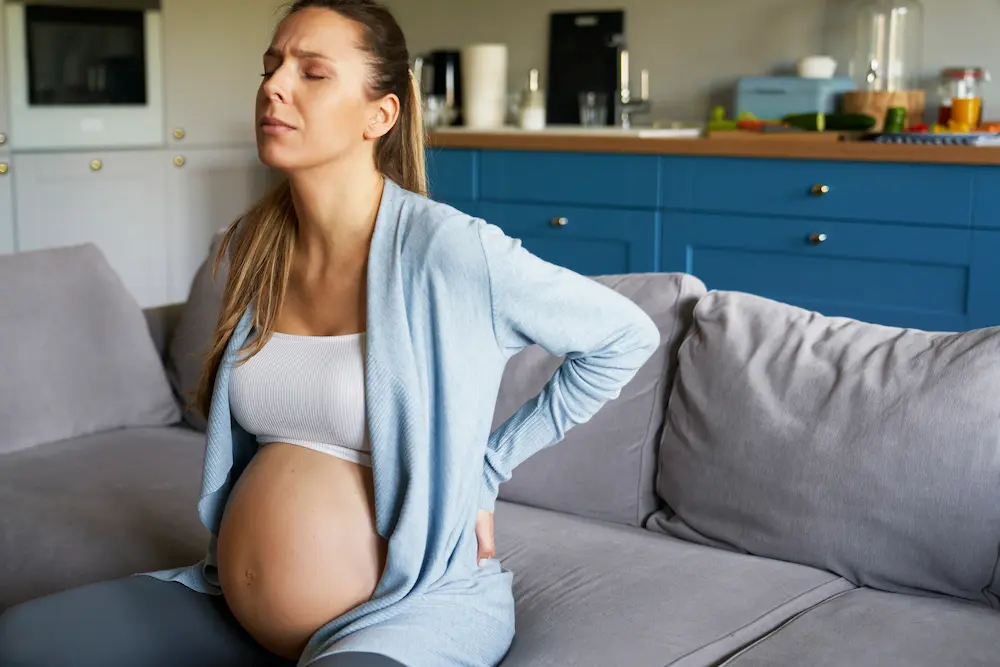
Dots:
(484, 85)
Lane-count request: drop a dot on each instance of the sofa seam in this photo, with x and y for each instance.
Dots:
(641, 520)
(771, 611)
(782, 626)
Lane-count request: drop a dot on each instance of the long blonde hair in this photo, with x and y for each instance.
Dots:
(259, 246)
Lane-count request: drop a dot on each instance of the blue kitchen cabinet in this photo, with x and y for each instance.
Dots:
(590, 241)
(986, 198)
(580, 179)
(984, 299)
(452, 177)
(910, 277)
(913, 245)
(910, 194)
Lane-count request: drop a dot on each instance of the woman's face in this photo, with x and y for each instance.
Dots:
(312, 105)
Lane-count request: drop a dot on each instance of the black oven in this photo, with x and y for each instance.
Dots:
(85, 55)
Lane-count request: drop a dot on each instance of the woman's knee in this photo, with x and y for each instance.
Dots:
(23, 639)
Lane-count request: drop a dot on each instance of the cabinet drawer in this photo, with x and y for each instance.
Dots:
(938, 195)
(570, 178)
(986, 198)
(591, 241)
(898, 276)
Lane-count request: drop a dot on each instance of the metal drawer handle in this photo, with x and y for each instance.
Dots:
(561, 221)
(820, 190)
(95, 165)
(3, 168)
(816, 239)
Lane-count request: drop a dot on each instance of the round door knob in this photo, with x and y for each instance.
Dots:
(3, 138)
(820, 190)
(816, 239)
(3, 168)
(179, 160)
(561, 221)
(178, 133)
(95, 165)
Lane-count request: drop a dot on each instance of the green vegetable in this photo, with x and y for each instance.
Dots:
(837, 122)
(849, 121)
(814, 122)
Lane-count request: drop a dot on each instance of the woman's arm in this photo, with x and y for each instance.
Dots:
(604, 336)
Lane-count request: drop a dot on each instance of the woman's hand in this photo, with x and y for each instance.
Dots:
(484, 533)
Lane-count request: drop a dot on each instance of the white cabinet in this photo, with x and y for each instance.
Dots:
(4, 95)
(212, 55)
(113, 199)
(6, 205)
(206, 190)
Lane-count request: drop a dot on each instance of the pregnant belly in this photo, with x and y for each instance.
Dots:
(297, 546)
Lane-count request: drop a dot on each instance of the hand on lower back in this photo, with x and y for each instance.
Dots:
(484, 534)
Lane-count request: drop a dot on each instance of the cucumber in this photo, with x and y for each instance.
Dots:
(841, 122)
(814, 122)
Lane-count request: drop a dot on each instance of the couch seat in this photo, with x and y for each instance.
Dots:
(98, 507)
(590, 593)
(868, 628)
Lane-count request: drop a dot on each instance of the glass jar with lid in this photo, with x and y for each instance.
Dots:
(888, 45)
(961, 92)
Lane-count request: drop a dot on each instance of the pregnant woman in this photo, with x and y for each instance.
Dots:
(350, 470)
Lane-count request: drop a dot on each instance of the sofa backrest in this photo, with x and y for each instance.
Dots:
(75, 349)
(193, 332)
(869, 451)
(605, 468)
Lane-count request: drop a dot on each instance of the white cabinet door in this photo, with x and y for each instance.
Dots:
(212, 53)
(4, 95)
(6, 205)
(207, 189)
(113, 199)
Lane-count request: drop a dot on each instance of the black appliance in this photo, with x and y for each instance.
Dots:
(583, 56)
(441, 76)
(85, 55)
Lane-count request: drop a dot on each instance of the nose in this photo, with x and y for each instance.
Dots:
(275, 87)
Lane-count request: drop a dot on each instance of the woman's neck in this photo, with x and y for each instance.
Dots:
(336, 206)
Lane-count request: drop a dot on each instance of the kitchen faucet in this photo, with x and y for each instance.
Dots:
(625, 104)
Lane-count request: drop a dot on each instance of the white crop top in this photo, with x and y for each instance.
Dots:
(307, 391)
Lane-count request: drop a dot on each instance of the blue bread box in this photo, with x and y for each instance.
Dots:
(774, 97)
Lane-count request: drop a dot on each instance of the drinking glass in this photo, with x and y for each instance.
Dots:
(593, 108)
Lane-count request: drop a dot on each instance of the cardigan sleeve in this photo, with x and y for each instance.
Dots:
(603, 335)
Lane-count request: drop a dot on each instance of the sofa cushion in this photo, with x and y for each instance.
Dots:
(870, 451)
(604, 469)
(194, 330)
(593, 594)
(867, 628)
(76, 356)
(99, 507)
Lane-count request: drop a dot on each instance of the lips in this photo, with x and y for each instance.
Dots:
(272, 122)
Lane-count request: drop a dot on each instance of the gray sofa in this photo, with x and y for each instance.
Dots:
(774, 488)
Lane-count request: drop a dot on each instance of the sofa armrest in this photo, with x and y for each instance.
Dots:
(162, 321)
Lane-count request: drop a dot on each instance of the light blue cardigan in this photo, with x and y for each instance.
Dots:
(450, 300)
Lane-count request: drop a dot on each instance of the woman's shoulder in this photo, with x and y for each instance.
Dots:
(439, 235)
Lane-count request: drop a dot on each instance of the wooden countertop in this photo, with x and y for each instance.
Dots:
(779, 146)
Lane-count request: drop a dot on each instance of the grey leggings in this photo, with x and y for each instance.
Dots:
(139, 621)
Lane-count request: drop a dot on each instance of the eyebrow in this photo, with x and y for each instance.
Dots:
(298, 53)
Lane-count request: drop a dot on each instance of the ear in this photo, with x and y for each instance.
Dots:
(382, 115)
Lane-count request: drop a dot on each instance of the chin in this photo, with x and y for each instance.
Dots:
(274, 157)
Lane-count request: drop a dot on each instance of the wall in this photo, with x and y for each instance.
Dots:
(696, 49)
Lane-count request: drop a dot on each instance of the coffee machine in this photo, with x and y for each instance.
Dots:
(439, 75)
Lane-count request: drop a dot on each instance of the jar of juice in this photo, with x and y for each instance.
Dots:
(962, 98)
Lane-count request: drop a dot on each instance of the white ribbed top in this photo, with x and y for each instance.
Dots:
(307, 391)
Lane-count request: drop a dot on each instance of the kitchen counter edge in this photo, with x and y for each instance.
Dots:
(752, 148)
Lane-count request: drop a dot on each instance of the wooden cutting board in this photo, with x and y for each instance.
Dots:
(748, 135)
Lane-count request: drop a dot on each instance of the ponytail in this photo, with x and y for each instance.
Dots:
(400, 153)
